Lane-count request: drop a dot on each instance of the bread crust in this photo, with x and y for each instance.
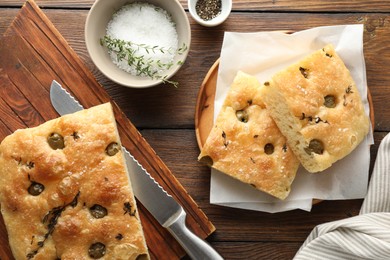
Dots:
(317, 99)
(239, 149)
(59, 222)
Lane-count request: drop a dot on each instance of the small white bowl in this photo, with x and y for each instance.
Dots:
(226, 8)
(95, 29)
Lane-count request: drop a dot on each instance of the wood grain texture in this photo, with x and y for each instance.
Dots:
(253, 5)
(33, 54)
(165, 116)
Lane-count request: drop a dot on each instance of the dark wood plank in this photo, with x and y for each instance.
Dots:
(257, 250)
(239, 5)
(7, 115)
(50, 3)
(5, 250)
(313, 5)
(6, 17)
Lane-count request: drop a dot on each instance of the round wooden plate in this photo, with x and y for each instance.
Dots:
(204, 113)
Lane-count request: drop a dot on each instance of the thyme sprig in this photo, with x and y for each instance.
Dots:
(144, 66)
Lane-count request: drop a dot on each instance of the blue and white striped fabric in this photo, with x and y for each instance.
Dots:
(366, 236)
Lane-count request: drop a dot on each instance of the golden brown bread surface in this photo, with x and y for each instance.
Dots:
(246, 144)
(317, 106)
(69, 199)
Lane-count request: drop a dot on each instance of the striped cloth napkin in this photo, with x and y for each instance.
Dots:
(366, 236)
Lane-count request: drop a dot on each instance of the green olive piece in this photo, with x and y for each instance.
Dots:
(35, 188)
(97, 250)
(330, 101)
(242, 116)
(315, 146)
(112, 149)
(56, 141)
(98, 211)
(269, 148)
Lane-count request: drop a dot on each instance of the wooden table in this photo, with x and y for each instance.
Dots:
(165, 115)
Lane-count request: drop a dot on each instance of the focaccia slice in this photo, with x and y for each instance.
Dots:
(246, 144)
(65, 191)
(316, 105)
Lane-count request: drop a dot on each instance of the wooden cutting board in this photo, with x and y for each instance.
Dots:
(33, 53)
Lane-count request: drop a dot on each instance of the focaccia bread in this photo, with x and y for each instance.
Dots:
(316, 105)
(65, 191)
(246, 144)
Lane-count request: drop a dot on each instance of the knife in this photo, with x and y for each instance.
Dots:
(153, 197)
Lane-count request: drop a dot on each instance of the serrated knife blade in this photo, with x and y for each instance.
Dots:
(169, 213)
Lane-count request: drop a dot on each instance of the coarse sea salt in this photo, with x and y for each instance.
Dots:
(144, 24)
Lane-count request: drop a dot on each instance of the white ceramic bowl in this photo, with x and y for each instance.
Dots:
(226, 8)
(95, 28)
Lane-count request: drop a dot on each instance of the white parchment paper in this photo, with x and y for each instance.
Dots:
(264, 53)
